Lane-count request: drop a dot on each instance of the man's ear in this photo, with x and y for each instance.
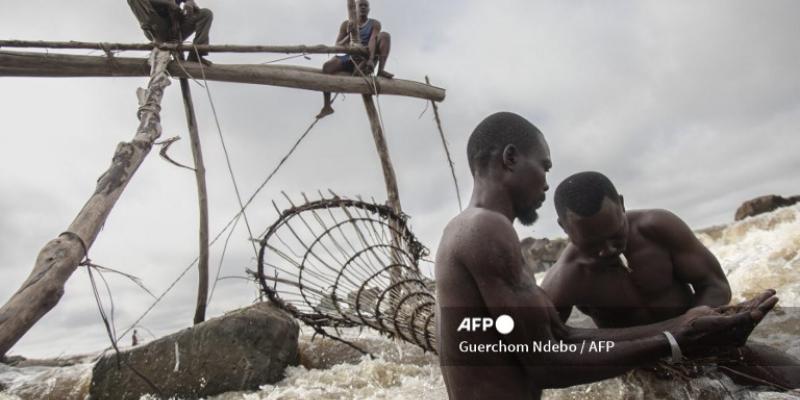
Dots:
(622, 202)
(561, 224)
(510, 155)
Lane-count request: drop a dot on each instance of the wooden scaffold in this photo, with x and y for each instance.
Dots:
(60, 257)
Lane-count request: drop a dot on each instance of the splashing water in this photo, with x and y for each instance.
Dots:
(756, 253)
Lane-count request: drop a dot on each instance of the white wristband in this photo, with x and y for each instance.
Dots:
(677, 355)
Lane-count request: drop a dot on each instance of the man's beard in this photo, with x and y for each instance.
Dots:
(528, 217)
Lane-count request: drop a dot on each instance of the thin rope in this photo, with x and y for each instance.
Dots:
(304, 55)
(221, 259)
(161, 296)
(110, 329)
(134, 279)
(225, 149)
(374, 86)
(424, 110)
(180, 64)
(228, 225)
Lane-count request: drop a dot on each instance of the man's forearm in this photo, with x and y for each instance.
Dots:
(712, 295)
(630, 333)
(567, 369)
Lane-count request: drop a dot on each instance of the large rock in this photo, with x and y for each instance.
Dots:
(238, 351)
(541, 254)
(763, 204)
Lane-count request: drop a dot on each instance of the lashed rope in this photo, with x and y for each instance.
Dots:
(108, 318)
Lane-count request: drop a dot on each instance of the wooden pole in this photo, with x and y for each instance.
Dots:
(383, 153)
(210, 48)
(446, 149)
(202, 199)
(390, 179)
(59, 258)
(63, 65)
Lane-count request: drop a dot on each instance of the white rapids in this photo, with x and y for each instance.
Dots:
(756, 254)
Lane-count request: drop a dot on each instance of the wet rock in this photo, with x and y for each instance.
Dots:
(323, 353)
(12, 360)
(763, 204)
(541, 254)
(238, 351)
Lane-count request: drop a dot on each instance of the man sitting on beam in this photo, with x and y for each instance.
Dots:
(370, 35)
(164, 21)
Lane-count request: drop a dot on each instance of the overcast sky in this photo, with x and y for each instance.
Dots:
(690, 106)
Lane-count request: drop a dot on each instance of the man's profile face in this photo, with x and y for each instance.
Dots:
(532, 174)
(601, 236)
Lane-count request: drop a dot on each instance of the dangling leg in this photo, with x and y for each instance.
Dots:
(332, 66)
(327, 109)
(384, 46)
(198, 22)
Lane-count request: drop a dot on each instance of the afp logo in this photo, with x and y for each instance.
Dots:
(504, 324)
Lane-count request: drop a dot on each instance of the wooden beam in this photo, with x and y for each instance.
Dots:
(212, 48)
(202, 201)
(59, 258)
(63, 65)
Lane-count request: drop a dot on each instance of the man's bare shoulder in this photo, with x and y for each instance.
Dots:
(564, 272)
(478, 221)
(478, 234)
(660, 225)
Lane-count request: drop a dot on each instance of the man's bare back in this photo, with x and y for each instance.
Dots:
(480, 275)
(459, 296)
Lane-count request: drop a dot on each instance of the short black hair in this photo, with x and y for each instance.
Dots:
(583, 194)
(494, 133)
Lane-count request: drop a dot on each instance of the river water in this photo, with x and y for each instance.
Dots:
(756, 254)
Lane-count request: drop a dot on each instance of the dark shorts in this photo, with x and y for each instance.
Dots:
(347, 62)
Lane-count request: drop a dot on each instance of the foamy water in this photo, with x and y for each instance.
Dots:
(756, 254)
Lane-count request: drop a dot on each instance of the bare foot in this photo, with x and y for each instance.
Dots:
(327, 110)
(384, 74)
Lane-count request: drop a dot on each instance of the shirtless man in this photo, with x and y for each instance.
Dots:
(627, 268)
(370, 35)
(480, 274)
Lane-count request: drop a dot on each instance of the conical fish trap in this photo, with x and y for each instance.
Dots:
(340, 262)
